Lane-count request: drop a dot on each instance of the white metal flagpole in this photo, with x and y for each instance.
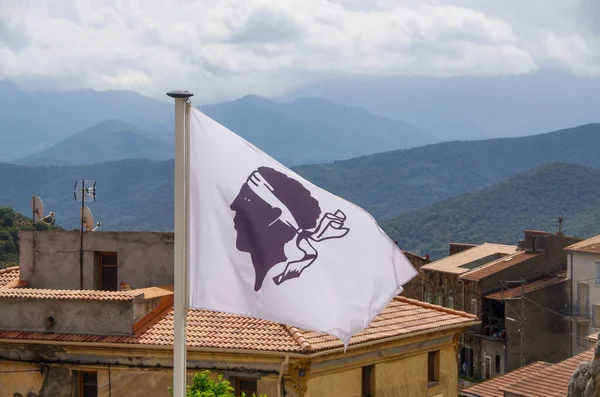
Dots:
(180, 250)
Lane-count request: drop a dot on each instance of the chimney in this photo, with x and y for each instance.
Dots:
(560, 221)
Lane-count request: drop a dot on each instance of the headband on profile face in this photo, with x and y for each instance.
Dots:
(330, 226)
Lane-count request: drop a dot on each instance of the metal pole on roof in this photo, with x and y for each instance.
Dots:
(182, 132)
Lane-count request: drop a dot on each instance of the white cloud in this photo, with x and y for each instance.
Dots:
(225, 48)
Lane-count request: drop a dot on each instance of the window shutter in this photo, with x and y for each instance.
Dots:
(597, 272)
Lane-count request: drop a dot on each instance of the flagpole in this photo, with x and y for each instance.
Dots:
(180, 249)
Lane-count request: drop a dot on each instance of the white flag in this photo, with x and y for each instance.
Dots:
(266, 243)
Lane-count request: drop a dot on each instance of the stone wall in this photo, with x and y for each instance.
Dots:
(414, 288)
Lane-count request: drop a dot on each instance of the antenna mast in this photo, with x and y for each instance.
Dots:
(82, 189)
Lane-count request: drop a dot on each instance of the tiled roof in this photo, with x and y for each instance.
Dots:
(33, 293)
(208, 329)
(593, 337)
(529, 287)
(552, 381)
(591, 245)
(491, 387)
(498, 265)
(9, 275)
(453, 263)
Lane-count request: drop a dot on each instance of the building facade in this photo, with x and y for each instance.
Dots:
(513, 330)
(414, 288)
(583, 273)
(58, 340)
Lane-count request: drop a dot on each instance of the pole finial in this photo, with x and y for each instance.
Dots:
(177, 94)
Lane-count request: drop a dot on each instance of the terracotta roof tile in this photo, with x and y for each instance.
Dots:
(455, 264)
(552, 381)
(208, 329)
(33, 293)
(9, 275)
(498, 265)
(591, 245)
(529, 287)
(491, 387)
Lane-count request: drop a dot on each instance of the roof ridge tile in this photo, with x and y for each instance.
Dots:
(434, 307)
(296, 334)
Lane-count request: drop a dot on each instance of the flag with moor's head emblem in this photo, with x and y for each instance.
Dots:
(266, 243)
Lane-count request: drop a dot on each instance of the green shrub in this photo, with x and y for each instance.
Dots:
(203, 386)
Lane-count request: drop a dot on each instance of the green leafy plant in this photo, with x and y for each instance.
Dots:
(203, 386)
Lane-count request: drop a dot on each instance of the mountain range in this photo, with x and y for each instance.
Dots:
(469, 107)
(80, 127)
(391, 183)
(107, 141)
(400, 188)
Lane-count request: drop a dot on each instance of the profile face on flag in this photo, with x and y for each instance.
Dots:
(266, 243)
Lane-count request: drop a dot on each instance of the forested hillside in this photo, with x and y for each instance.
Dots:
(392, 183)
(499, 214)
(11, 223)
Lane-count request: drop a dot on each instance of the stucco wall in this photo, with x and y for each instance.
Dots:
(19, 382)
(144, 259)
(403, 377)
(346, 383)
(70, 316)
(130, 382)
(583, 267)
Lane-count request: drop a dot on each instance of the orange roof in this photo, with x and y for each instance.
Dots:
(498, 265)
(591, 245)
(33, 293)
(208, 329)
(529, 287)
(491, 387)
(552, 381)
(9, 275)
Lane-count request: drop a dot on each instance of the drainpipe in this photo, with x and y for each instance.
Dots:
(284, 363)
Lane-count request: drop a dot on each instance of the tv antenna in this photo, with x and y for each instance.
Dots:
(82, 191)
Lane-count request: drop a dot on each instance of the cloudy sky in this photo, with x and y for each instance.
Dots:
(222, 49)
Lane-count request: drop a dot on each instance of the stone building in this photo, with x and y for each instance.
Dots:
(115, 336)
(414, 288)
(487, 282)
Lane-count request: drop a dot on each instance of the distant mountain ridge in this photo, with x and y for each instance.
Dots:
(31, 121)
(106, 141)
(499, 213)
(307, 130)
(391, 183)
(311, 130)
(138, 194)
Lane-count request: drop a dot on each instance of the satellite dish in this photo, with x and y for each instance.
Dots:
(37, 207)
(88, 218)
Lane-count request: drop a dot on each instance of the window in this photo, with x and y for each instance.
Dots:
(583, 299)
(474, 306)
(450, 302)
(107, 271)
(246, 385)
(582, 332)
(497, 365)
(597, 272)
(86, 384)
(534, 240)
(440, 299)
(487, 367)
(367, 381)
(596, 316)
(433, 366)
